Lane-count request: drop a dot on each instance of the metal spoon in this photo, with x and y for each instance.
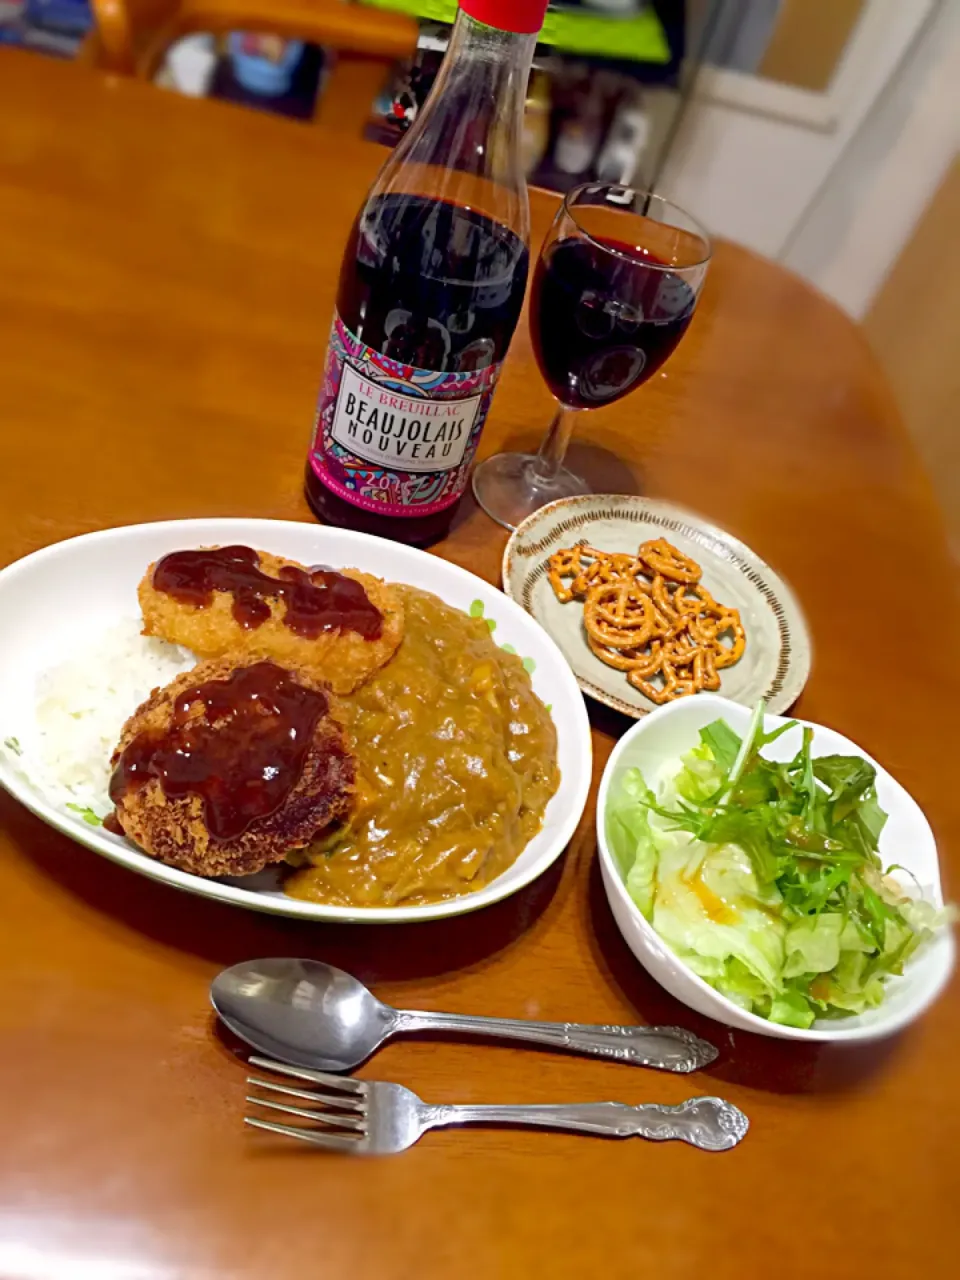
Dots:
(310, 1014)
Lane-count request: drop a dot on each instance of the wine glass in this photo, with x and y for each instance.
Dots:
(615, 289)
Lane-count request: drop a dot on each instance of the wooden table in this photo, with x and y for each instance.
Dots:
(167, 270)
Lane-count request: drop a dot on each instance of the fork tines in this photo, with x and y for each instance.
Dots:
(341, 1109)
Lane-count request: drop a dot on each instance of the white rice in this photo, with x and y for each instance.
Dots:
(81, 707)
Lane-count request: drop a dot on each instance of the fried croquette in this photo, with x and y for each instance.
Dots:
(337, 626)
(230, 767)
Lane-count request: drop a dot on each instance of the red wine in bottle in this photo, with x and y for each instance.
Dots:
(430, 292)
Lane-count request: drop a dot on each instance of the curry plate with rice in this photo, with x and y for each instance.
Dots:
(364, 744)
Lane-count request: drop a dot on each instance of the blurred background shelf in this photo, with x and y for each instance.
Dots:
(587, 114)
(644, 37)
(56, 27)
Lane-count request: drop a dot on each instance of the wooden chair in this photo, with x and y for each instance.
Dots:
(132, 36)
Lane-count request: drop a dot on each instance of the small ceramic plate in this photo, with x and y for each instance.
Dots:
(776, 662)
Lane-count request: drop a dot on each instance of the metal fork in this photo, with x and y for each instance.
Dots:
(366, 1117)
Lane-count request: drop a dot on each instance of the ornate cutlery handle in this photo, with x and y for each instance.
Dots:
(669, 1048)
(707, 1123)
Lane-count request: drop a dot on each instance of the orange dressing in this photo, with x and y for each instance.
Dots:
(719, 912)
(820, 987)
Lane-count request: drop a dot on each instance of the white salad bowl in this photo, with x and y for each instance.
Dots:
(67, 594)
(906, 839)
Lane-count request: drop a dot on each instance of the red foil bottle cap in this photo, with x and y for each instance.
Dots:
(525, 17)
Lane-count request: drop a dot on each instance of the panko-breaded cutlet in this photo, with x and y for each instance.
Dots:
(339, 626)
(230, 767)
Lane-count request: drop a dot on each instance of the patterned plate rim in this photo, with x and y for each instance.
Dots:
(793, 664)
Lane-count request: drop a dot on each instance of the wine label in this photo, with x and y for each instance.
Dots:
(392, 438)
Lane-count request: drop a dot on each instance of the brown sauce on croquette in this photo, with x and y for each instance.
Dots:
(242, 755)
(316, 600)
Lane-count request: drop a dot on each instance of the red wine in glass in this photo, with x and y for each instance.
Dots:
(606, 316)
(614, 291)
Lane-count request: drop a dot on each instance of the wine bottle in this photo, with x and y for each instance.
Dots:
(430, 291)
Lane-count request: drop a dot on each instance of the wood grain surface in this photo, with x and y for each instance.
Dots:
(167, 270)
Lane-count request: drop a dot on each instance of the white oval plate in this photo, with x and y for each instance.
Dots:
(906, 840)
(90, 583)
(776, 662)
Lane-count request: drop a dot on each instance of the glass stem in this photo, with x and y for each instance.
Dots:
(553, 450)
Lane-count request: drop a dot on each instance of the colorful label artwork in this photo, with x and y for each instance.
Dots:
(395, 439)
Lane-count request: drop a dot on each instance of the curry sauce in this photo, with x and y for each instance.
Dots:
(456, 762)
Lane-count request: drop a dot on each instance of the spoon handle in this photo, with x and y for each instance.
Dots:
(668, 1048)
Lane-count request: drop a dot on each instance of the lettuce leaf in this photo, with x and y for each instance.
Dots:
(628, 831)
(701, 778)
(792, 1009)
(813, 944)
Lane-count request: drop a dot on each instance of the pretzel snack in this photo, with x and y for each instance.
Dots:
(649, 616)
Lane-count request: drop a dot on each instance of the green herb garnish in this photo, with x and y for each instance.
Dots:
(87, 814)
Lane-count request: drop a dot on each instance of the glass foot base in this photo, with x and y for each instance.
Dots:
(509, 490)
